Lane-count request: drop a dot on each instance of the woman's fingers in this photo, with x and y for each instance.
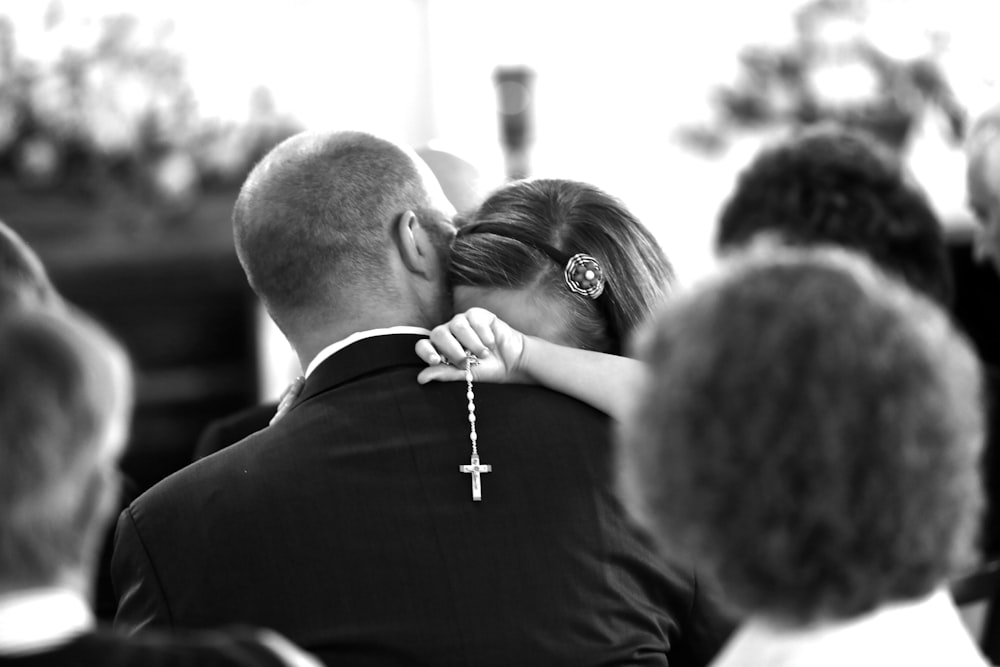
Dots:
(451, 340)
(440, 373)
(427, 352)
(481, 322)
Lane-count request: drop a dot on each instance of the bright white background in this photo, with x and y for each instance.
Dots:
(614, 79)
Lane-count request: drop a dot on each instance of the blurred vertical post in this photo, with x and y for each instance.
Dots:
(514, 104)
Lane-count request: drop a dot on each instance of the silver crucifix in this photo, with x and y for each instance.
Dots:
(475, 468)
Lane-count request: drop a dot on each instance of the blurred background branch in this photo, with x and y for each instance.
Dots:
(833, 70)
(98, 110)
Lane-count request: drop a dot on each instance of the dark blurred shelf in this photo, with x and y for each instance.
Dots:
(171, 288)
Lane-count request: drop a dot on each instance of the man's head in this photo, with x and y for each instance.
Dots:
(830, 185)
(343, 230)
(809, 434)
(23, 279)
(64, 404)
(983, 184)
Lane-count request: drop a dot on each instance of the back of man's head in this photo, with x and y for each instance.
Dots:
(313, 224)
(64, 402)
(23, 279)
(830, 185)
(810, 434)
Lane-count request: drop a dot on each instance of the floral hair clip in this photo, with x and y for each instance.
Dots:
(584, 275)
(582, 272)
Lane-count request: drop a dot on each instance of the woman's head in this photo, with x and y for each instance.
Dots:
(515, 255)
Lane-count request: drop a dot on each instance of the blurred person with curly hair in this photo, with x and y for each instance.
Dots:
(808, 433)
(832, 185)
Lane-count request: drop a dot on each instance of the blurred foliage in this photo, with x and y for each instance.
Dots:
(105, 113)
(831, 71)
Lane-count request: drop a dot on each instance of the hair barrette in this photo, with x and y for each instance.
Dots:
(584, 275)
(582, 272)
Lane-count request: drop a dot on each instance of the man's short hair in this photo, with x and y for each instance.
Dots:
(831, 185)
(64, 397)
(22, 277)
(314, 216)
(809, 436)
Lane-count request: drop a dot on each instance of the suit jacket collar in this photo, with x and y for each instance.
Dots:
(363, 357)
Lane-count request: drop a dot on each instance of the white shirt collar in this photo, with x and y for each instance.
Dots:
(36, 619)
(330, 350)
(928, 631)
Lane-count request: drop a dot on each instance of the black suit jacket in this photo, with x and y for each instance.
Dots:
(105, 649)
(230, 429)
(348, 527)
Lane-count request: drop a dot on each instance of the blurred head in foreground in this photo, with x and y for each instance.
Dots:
(64, 404)
(23, 279)
(809, 435)
(831, 185)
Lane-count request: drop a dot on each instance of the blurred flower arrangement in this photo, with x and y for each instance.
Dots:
(832, 70)
(103, 114)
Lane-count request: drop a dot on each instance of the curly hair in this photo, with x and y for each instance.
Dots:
(500, 245)
(809, 435)
(832, 185)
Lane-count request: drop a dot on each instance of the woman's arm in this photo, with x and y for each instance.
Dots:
(506, 355)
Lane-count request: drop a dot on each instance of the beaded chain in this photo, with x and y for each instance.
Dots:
(474, 468)
(470, 361)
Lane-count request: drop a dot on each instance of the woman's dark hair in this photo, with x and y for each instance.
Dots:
(832, 185)
(525, 232)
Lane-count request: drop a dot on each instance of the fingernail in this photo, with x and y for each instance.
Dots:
(485, 352)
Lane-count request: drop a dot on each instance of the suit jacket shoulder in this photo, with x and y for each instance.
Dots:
(152, 650)
(348, 527)
(229, 430)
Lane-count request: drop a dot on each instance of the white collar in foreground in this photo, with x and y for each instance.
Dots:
(40, 618)
(330, 350)
(928, 632)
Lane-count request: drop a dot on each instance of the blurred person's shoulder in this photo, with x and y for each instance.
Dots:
(240, 647)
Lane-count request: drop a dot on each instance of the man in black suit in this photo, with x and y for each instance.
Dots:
(64, 405)
(348, 525)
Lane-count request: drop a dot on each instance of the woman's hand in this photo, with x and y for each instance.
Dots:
(500, 349)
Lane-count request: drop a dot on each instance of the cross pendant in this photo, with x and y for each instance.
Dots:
(475, 469)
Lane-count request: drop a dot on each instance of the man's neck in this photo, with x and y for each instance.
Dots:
(311, 338)
(336, 346)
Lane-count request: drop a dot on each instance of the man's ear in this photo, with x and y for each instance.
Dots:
(415, 246)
